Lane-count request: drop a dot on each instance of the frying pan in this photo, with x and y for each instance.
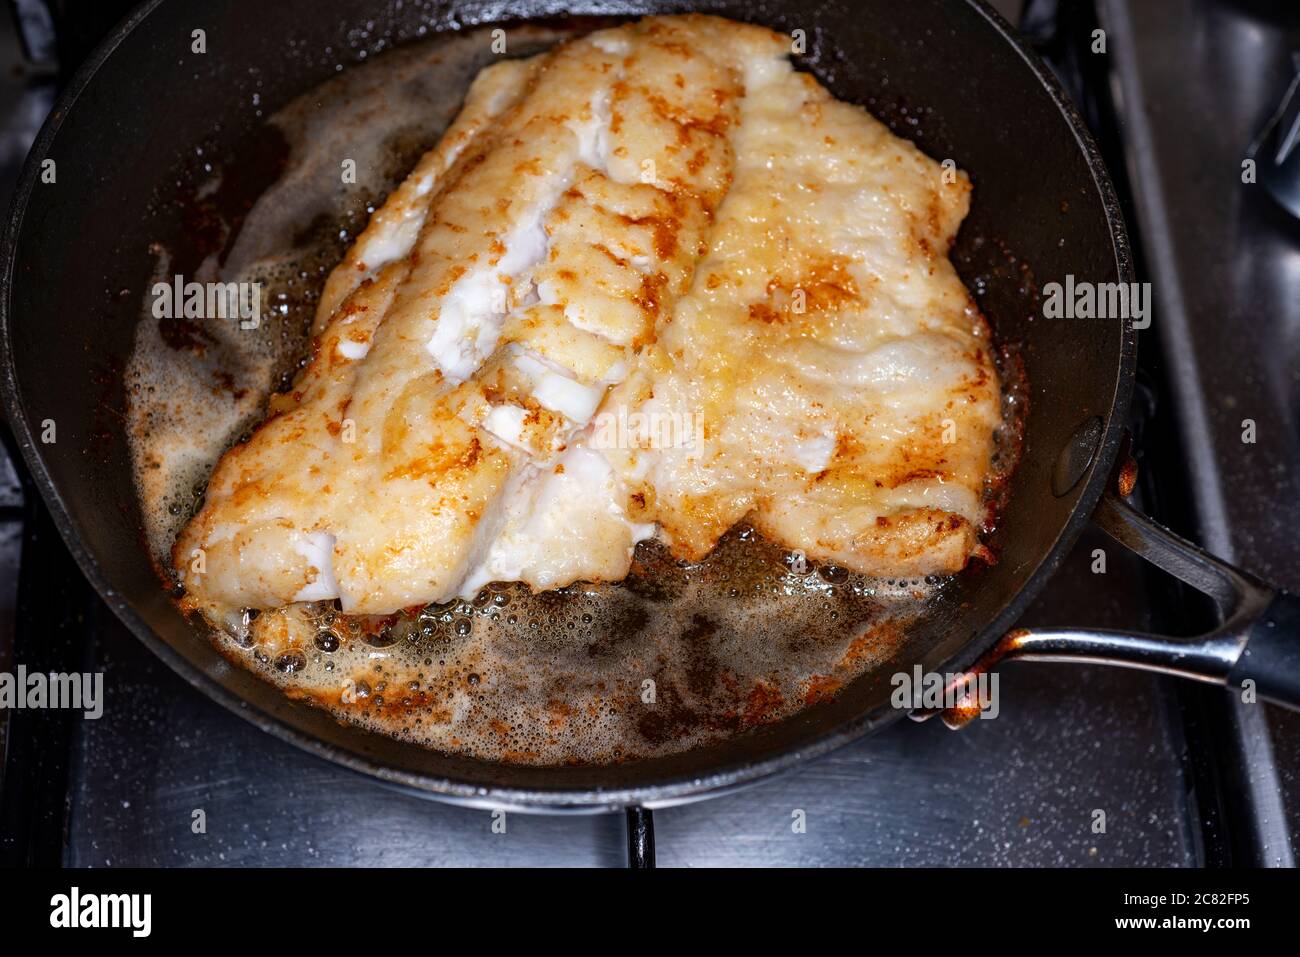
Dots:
(948, 74)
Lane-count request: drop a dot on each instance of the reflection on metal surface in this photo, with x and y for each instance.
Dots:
(1072, 464)
(1278, 149)
(1221, 255)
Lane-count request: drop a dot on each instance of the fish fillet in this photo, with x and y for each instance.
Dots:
(649, 283)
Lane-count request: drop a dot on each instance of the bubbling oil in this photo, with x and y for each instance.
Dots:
(675, 656)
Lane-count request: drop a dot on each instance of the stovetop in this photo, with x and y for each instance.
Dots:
(1183, 776)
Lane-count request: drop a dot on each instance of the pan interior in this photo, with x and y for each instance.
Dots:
(937, 73)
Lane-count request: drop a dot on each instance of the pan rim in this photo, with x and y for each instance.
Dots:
(670, 790)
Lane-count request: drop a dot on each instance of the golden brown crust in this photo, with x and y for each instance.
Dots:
(665, 211)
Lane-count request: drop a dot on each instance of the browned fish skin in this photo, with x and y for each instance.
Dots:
(661, 220)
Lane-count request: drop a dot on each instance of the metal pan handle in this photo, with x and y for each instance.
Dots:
(1258, 641)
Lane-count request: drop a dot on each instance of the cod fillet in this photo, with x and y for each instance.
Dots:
(650, 282)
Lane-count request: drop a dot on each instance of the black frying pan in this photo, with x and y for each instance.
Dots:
(1044, 208)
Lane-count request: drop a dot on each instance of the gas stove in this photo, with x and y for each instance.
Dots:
(1185, 777)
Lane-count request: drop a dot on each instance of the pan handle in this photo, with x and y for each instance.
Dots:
(1258, 640)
